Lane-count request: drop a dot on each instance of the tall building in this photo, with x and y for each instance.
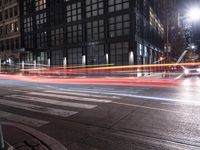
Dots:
(9, 30)
(90, 32)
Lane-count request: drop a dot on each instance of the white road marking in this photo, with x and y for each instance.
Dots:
(146, 97)
(78, 94)
(179, 76)
(22, 119)
(37, 108)
(88, 91)
(54, 102)
(104, 90)
(70, 97)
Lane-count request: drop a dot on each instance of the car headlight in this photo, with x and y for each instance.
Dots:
(186, 71)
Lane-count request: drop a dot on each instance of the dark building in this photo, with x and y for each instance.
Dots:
(9, 30)
(91, 32)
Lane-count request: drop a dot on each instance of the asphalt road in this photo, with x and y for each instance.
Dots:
(107, 117)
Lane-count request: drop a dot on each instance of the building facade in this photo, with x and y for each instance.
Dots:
(92, 32)
(9, 30)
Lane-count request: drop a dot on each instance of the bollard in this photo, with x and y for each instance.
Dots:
(65, 62)
(1, 139)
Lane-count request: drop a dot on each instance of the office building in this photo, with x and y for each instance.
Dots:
(92, 32)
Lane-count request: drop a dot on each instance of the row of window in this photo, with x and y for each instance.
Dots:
(9, 28)
(93, 8)
(4, 2)
(118, 55)
(95, 30)
(9, 13)
(13, 43)
(28, 6)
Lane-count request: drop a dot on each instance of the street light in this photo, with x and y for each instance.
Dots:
(194, 14)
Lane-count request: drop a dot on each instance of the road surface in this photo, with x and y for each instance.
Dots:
(158, 116)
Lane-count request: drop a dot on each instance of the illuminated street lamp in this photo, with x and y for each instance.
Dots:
(194, 14)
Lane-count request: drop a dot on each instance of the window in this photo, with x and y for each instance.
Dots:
(74, 56)
(117, 5)
(95, 30)
(119, 53)
(27, 7)
(1, 30)
(95, 54)
(6, 14)
(94, 8)
(15, 11)
(1, 17)
(40, 4)
(57, 57)
(57, 37)
(16, 27)
(17, 42)
(28, 41)
(41, 20)
(42, 39)
(74, 34)
(8, 44)
(11, 12)
(2, 45)
(28, 24)
(119, 26)
(73, 12)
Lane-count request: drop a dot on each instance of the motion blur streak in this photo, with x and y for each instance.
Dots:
(109, 70)
(98, 81)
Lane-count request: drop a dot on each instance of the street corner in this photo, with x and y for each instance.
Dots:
(20, 137)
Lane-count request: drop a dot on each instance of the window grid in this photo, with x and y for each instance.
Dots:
(95, 54)
(57, 37)
(74, 34)
(28, 24)
(119, 53)
(119, 26)
(28, 41)
(41, 20)
(95, 30)
(42, 40)
(40, 4)
(73, 12)
(94, 8)
(117, 5)
(74, 56)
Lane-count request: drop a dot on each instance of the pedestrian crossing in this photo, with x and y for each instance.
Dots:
(52, 103)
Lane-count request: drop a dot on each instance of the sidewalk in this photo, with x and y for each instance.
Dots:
(19, 137)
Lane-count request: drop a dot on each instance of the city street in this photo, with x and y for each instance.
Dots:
(148, 115)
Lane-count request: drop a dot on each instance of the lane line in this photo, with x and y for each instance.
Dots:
(70, 97)
(103, 90)
(22, 119)
(147, 107)
(37, 108)
(78, 94)
(150, 97)
(54, 102)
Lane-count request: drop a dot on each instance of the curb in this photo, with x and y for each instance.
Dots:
(47, 140)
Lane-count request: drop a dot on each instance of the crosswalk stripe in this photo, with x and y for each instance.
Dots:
(79, 94)
(22, 119)
(37, 108)
(89, 91)
(54, 102)
(70, 97)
